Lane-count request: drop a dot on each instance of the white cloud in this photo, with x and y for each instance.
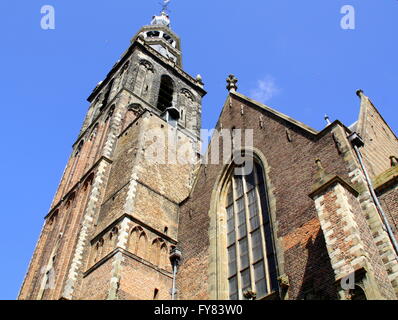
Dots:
(266, 89)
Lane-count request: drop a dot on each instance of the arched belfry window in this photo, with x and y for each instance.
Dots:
(166, 91)
(250, 247)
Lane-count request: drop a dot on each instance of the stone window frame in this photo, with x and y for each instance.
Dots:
(218, 285)
(246, 190)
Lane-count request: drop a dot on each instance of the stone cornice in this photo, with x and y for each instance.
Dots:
(137, 221)
(329, 181)
(127, 254)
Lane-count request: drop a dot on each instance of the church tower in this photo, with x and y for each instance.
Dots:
(114, 218)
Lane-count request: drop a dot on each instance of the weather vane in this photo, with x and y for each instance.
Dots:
(165, 5)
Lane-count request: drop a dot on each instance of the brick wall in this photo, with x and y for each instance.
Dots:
(389, 202)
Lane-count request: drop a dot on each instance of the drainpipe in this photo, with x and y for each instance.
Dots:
(175, 258)
(357, 143)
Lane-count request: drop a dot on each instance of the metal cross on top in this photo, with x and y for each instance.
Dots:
(232, 80)
(165, 5)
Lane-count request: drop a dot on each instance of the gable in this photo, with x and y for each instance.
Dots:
(380, 141)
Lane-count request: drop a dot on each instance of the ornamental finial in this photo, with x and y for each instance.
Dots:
(327, 119)
(165, 5)
(232, 83)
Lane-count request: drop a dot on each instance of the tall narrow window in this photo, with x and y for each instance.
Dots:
(166, 91)
(250, 249)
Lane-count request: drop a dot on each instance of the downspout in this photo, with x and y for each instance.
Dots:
(175, 258)
(357, 142)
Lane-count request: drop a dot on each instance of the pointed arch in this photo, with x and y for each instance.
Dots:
(94, 132)
(120, 79)
(88, 182)
(53, 218)
(133, 239)
(142, 246)
(70, 200)
(146, 64)
(143, 80)
(112, 241)
(248, 245)
(187, 94)
(110, 113)
(155, 252)
(187, 106)
(98, 251)
(164, 257)
(138, 242)
(79, 148)
(96, 107)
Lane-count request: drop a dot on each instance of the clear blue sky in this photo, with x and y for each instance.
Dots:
(291, 54)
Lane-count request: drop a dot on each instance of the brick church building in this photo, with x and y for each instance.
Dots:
(315, 216)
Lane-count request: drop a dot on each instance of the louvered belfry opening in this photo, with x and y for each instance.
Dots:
(166, 91)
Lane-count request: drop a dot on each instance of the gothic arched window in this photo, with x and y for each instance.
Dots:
(53, 217)
(250, 248)
(141, 246)
(164, 257)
